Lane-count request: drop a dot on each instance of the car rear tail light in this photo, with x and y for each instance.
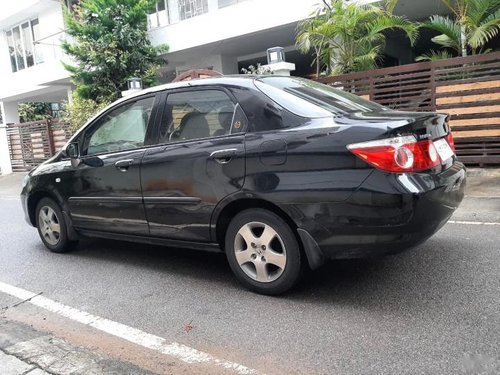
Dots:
(399, 154)
(451, 141)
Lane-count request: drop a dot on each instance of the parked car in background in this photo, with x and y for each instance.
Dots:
(281, 173)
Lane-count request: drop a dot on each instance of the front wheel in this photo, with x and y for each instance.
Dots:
(263, 252)
(52, 227)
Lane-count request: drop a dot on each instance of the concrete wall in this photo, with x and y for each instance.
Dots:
(9, 111)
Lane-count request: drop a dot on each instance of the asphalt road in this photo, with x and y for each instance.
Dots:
(432, 310)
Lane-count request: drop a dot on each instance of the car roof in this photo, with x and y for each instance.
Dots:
(244, 80)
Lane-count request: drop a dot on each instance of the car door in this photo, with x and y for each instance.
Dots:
(199, 159)
(105, 194)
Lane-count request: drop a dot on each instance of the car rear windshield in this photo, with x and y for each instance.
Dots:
(292, 93)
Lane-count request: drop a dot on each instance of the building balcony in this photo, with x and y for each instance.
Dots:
(184, 24)
(30, 50)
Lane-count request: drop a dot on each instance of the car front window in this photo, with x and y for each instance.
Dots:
(121, 129)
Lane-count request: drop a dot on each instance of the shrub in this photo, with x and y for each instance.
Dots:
(80, 110)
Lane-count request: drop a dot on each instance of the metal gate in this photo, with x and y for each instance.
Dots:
(31, 143)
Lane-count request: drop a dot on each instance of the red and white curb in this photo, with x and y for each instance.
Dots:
(179, 351)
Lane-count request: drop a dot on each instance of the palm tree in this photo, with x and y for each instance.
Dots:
(475, 23)
(309, 37)
(434, 56)
(347, 37)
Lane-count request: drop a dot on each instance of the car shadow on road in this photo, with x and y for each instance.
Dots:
(207, 266)
(414, 278)
(417, 279)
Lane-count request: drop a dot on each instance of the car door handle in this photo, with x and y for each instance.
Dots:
(123, 165)
(223, 156)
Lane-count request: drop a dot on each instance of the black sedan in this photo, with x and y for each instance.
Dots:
(281, 173)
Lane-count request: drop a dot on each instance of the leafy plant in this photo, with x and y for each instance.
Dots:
(349, 37)
(257, 69)
(474, 24)
(80, 110)
(434, 56)
(34, 111)
(109, 44)
(309, 37)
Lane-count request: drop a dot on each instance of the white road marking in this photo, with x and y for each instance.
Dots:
(472, 222)
(133, 335)
(482, 196)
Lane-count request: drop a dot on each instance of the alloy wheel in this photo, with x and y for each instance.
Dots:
(50, 227)
(260, 252)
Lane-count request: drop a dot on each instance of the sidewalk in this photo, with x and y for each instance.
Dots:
(23, 350)
(10, 365)
(482, 197)
(11, 184)
(483, 182)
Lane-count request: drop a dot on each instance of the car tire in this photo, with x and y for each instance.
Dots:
(52, 227)
(263, 252)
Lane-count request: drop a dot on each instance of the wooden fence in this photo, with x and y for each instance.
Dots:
(31, 143)
(467, 88)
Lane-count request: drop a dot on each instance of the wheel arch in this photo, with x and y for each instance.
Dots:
(36, 197)
(33, 201)
(308, 247)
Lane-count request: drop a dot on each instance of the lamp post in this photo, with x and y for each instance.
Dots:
(276, 62)
(275, 55)
(134, 84)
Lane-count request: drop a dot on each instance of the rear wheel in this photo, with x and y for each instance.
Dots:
(52, 227)
(263, 251)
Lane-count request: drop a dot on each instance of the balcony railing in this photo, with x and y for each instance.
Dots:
(226, 3)
(168, 12)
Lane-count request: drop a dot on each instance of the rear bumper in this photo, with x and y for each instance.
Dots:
(388, 213)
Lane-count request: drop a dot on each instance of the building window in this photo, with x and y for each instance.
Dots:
(192, 8)
(171, 11)
(226, 3)
(23, 50)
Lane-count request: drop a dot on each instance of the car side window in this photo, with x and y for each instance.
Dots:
(123, 128)
(196, 114)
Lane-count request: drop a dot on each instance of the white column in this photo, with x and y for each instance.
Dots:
(5, 165)
(69, 93)
(9, 115)
(229, 64)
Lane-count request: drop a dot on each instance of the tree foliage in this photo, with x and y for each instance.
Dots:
(109, 44)
(349, 37)
(34, 111)
(474, 24)
(80, 110)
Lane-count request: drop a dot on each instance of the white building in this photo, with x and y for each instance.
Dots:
(30, 60)
(224, 35)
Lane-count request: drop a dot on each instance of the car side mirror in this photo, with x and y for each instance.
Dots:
(72, 151)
